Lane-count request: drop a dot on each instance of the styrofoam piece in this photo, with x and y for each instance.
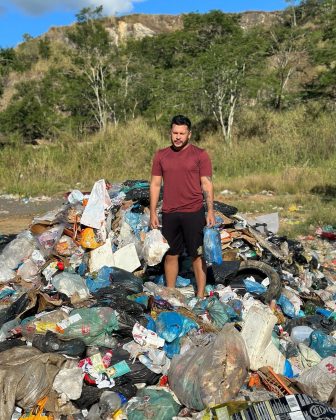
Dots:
(257, 334)
(101, 256)
(125, 257)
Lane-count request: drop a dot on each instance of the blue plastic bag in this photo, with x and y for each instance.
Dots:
(180, 281)
(323, 344)
(172, 325)
(286, 306)
(212, 246)
(98, 283)
(254, 287)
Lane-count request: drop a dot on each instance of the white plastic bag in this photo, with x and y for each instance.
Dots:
(155, 246)
(320, 380)
(99, 201)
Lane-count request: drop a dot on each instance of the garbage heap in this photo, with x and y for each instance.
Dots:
(89, 330)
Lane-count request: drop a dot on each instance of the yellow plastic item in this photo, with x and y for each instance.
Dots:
(43, 327)
(37, 412)
(88, 239)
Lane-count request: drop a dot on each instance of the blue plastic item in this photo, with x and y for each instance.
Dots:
(254, 287)
(81, 270)
(324, 312)
(324, 344)
(212, 246)
(151, 323)
(219, 312)
(95, 284)
(6, 292)
(172, 325)
(172, 348)
(143, 300)
(180, 281)
(286, 306)
(288, 370)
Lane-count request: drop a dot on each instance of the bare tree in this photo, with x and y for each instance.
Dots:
(287, 57)
(222, 93)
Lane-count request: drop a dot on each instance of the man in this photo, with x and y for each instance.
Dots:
(186, 174)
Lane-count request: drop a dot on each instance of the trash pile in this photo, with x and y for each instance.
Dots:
(90, 331)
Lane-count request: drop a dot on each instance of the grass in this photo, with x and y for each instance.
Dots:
(292, 154)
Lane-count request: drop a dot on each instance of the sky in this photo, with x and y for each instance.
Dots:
(34, 17)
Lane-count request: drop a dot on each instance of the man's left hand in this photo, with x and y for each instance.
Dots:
(210, 218)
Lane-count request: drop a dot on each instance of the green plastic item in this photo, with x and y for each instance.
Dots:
(93, 325)
(153, 404)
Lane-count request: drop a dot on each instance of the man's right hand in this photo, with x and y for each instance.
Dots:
(154, 221)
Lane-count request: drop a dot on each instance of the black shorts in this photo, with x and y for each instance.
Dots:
(184, 231)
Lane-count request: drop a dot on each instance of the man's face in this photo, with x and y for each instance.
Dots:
(180, 136)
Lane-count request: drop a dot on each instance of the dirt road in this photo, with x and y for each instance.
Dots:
(16, 213)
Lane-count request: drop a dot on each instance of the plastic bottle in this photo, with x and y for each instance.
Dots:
(109, 402)
(301, 334)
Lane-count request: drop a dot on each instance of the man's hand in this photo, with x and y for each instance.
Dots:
(154, 221)
(210, 218)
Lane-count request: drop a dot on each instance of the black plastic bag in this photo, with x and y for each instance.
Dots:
(9, 344)
(116, 298)
(89, 396)
(225, 209)
(139, 372)
(126, 279)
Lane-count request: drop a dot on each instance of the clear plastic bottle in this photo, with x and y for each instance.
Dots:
(301, 334)
(109, 402)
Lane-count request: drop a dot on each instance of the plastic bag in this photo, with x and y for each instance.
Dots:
(49, 238)
(99, 201)
(324, 344)
(155, 247)
(212, 246)
(254, 287)
(286, 306)
(65, 246)
(152, 403)
(18, 250)
(172, 325)
(116, 297)
(218, 312)
(89, 239)
(180, 281)
(6, 273)
(121, 277)
(320, 380)
(26, 376)
(210, 375)
(92, 325)
(71, 285)
(139, 372)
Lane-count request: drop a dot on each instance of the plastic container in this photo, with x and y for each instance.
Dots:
(301, 334)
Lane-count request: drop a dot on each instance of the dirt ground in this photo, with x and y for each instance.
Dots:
(16, 214)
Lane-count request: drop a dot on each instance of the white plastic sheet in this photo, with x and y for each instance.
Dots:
(99, 201)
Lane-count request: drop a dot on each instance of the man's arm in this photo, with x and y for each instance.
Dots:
(207, 188)
(154, 192)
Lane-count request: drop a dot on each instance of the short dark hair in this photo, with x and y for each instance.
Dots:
(181, 120)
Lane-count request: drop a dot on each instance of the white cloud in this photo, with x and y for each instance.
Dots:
(38, 7)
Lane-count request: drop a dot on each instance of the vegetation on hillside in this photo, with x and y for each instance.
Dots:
(211, 69)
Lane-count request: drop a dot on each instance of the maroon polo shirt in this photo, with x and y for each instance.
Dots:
(181, 171)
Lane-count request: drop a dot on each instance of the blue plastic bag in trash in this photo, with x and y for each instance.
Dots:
(180, 281)
(212, 246)
(323, 344)
(254, 287)
(286, 306)
(171, 325)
